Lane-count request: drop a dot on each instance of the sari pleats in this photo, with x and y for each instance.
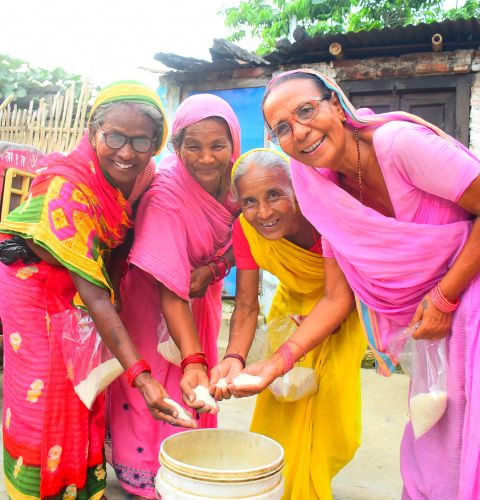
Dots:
(52, 443)
(319, 433)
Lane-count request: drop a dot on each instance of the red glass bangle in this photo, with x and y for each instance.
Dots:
(441, 302)
(236, 356)
(135, 370)
(222, 267)
(302, 350)
(196, 357)
(214, 273)
(287, 355)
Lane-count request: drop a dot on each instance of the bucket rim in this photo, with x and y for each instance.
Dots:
(222, 475)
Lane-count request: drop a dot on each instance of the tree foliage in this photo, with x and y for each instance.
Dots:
(17, 77)
(270, 20)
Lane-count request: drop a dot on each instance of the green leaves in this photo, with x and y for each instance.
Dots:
(269, 20)
(17, 77)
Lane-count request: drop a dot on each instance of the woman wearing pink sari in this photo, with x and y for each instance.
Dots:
(183, 229)
(397, 203)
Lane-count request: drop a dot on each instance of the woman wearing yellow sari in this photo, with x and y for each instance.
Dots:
(321, 432)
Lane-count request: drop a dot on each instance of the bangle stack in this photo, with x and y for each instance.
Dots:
(441, 302)
(299, 347)
(196, 357)
(219, 267)
(135, 370)
(286, 353)
(236, 356)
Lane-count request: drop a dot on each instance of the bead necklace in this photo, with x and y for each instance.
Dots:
(359, 168)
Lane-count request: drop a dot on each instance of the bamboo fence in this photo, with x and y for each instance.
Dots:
(55, 125)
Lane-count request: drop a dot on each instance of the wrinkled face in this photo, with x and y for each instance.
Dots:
(124, 164)
(268, 202)
(319, 143)
(206, 151)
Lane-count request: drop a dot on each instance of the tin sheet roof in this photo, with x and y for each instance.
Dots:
(456, 34)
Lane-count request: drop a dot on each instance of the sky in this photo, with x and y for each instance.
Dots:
(107, 40)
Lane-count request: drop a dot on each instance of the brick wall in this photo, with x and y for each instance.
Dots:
(410, 65)
(405, 66)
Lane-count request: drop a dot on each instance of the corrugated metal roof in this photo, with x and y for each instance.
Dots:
(456, 34)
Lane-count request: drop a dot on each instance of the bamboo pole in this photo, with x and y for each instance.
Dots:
(55, 125)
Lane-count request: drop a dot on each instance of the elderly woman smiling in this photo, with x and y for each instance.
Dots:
(398, 202)
(320, 432)
(55, 253)
(180, 254)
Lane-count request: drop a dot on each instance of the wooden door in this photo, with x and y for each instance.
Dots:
(443, 100)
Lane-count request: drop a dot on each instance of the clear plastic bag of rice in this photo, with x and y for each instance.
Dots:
(298, 383)
(425, 361)
(90, 365)
(166, 347)
(301, 381)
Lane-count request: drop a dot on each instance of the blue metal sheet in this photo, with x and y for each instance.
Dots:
(246, 102)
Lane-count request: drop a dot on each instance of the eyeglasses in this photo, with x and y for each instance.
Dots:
(304, 114)
(114, 140)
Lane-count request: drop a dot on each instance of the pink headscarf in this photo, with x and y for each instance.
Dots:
(193, 226)
(201, 106)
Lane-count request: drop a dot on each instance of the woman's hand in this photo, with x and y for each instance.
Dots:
(200, 278)
(154, 394)
(196, 374)
(267, 370)
(228, 369)
(434, 324)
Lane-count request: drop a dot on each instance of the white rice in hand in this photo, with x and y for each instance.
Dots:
(244, 379)
(182, 414)
(203, 394)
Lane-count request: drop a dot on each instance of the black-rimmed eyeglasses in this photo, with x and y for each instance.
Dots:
(304, 114)
(140, 144)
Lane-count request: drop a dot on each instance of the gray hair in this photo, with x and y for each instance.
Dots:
(260, 160)
(100, 114)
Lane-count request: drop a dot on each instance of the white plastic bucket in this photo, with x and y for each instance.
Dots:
(220, 463)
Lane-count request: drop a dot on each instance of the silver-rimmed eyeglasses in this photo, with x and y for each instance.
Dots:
(304, 114)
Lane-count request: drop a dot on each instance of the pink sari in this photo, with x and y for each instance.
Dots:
(383, 260)
(391, 263)
(179, 227)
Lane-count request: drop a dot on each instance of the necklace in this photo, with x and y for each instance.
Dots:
(359, 168)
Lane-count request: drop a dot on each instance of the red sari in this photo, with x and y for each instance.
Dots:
(53, 445)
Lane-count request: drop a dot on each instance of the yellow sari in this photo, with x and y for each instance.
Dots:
(320, 433)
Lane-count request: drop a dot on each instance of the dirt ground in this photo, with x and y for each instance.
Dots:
(373, 473)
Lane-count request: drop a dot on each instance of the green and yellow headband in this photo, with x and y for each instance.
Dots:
(132, 91)
(257, 150)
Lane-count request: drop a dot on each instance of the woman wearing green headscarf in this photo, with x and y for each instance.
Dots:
(54, 253)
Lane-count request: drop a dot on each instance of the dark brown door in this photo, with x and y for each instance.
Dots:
(441, 100)
(437, 107)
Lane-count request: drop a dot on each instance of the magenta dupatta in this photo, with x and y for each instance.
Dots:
(179, 226)
(375, 252)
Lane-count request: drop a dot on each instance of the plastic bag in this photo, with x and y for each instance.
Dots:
(425, 361)
(166, 347)
(90, 365)
(301, 380)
